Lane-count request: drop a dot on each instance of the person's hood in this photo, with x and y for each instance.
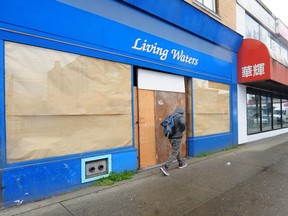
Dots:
(179, 110)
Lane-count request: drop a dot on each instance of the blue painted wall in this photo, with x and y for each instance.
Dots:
(208, 51)
(44, 178)
(211, 143)
(191, 19)
(65, 22)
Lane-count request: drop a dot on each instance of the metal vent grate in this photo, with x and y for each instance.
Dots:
(95, 168)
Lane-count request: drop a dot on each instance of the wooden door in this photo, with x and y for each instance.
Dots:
(159, 94)
(153, 106)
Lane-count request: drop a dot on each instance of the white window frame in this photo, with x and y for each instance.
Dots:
(205, 4)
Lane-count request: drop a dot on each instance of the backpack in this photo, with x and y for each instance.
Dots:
(168, 125)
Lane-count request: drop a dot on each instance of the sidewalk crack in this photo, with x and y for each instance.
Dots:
(66, 208)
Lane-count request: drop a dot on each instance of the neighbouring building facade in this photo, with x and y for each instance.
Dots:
(262, 72)
(83, 89)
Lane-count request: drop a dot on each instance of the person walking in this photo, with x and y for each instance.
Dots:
(175, 140)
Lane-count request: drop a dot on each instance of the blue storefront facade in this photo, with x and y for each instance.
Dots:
(121, 36)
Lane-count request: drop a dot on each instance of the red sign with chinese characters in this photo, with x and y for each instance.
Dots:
(253, 61)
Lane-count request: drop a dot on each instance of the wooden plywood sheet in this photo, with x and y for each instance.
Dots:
(166, 103)
(59, 103)
(147, 148)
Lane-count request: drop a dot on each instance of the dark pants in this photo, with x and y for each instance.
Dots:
(176, 152)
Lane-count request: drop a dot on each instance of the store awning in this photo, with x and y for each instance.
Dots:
(257, 68)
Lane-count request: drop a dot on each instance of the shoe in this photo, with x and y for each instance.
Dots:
(164, 171)
(182, 165)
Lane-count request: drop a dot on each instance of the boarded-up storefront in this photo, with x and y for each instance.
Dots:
(74, 96)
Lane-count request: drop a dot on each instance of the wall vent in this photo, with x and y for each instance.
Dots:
(95, 168)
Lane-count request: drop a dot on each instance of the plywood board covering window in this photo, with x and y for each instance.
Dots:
(60, 103)
(211, 107)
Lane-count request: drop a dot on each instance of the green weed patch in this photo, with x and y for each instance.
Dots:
(115, 177)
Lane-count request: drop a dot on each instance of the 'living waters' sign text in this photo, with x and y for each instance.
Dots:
(163, 53)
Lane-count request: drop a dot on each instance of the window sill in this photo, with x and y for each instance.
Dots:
(213, 13)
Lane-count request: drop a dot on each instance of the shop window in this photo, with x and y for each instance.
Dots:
(252, 28)
(60, 103)
(266, 112)
(265, 36)
(277, 113)
(253, 112)
(211, 102)
(284, 54)
(275, 48)
(256, 31)
(284, 112)
(209, 4)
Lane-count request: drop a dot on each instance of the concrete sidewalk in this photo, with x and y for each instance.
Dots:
(151, 193)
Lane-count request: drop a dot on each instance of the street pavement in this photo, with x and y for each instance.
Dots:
(251, 180)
